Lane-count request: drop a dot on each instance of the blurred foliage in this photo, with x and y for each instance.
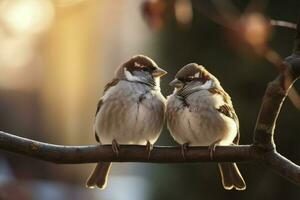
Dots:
(244, 75)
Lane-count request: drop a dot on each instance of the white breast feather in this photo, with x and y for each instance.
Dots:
(138, 132)
(215, 127)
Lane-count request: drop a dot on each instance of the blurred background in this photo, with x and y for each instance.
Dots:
(57, 55)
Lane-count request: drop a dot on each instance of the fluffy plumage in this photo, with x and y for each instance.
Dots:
(200, 113)
(131, 110)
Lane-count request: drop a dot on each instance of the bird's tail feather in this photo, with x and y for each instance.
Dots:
(98, 177)
(231, 176)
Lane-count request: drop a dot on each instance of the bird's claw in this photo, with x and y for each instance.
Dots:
(184, 149)
(212, 149)
(116, 147)
(149, 148)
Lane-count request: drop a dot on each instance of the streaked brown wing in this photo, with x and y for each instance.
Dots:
(110, 84)
(229, 112)
(227, 109)
(100, 102)
(221, 92)
(97, 137)
(106, 88)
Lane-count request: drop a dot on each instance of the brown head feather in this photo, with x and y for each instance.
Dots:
(138, 62)
(190, 70)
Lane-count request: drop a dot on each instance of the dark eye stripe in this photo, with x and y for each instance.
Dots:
(148, 69)
(202, 79)
(185, 79)
(135, 68)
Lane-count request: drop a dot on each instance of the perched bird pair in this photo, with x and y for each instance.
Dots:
(132, 111)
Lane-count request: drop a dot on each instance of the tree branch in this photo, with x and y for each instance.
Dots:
(283, 166)
(273, 99)
(128, 153)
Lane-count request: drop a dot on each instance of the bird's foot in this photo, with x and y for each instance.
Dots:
(212, 149)
(184, 148)
(149, 148)
(115, 147)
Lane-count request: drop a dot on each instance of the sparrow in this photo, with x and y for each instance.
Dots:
(200, 113)
(131, 111)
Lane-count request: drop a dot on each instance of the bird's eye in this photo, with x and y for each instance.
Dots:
(189, 79)
(146, 69)
(185, 80)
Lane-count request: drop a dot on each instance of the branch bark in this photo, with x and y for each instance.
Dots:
(272, 102)
(128, 153)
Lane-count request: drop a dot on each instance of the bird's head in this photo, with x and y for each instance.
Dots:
(141, 69)
(194, 77)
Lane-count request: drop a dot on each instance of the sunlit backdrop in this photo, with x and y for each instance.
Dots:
(57, 55)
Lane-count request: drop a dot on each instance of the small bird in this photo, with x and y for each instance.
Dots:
(131, 111)
(200, 113)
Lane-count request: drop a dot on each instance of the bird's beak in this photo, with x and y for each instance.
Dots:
(176, 83)
(159, 72)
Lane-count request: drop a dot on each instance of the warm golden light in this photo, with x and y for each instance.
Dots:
(27, 16)
(12, 48)
(183, 12)
(256, 29)
(65, 3)
(22, 22)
